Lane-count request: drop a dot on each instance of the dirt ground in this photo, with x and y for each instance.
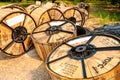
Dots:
(26, 67)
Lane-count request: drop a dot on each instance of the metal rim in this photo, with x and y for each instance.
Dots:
(90, 40)
(81, 13)
(50, 18)
(17, 32)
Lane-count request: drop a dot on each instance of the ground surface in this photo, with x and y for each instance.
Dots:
(25, 67)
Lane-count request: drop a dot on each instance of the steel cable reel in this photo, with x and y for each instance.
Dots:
(15, 30)
(90, 57)
(51, 14)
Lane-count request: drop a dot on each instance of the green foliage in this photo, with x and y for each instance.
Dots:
(107, 16)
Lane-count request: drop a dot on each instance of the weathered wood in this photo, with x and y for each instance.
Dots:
(50, 34)
(80, 59)
(37, 11)
(15, 29)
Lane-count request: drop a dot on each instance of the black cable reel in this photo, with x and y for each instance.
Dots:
(86, 57)
(15, 31)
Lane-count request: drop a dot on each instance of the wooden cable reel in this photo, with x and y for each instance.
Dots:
(38, 11)
(15, 30)
(15, 7)
(75, 15)
(50, 34)
(51, 14)
(91, 57)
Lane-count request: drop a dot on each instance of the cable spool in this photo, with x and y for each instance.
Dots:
(15, 7)
(75, 15)
(50, 34)
(38, 11)
(15, 30)
(91, 57)
(51, 15)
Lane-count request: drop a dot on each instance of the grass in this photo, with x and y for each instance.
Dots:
(22, 4)
(107, 14)
(4, 3)
(97, 10)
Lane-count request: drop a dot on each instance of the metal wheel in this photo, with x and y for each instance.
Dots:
(15, 30)
(51, 15)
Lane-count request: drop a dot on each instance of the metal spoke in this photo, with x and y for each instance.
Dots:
(10, 44)
(74, 13)
(48, 24)
(63, 24)
(24, 20)
(49, 15)
(60, 17)
(28, 33)
(83, 66)
(57, 59)
(66, 31)
(7, 25)
(49, 38)
(69, 45)
(107, 48)
(88, 42)
(23, 46)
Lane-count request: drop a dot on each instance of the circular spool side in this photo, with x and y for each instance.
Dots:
(75, 15)
(15, 31)
(92, 57)
(51, 15)
(50, 34)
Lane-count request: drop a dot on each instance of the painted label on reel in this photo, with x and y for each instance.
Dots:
(15, 20)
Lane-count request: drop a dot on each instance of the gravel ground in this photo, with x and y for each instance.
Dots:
(26, 67)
